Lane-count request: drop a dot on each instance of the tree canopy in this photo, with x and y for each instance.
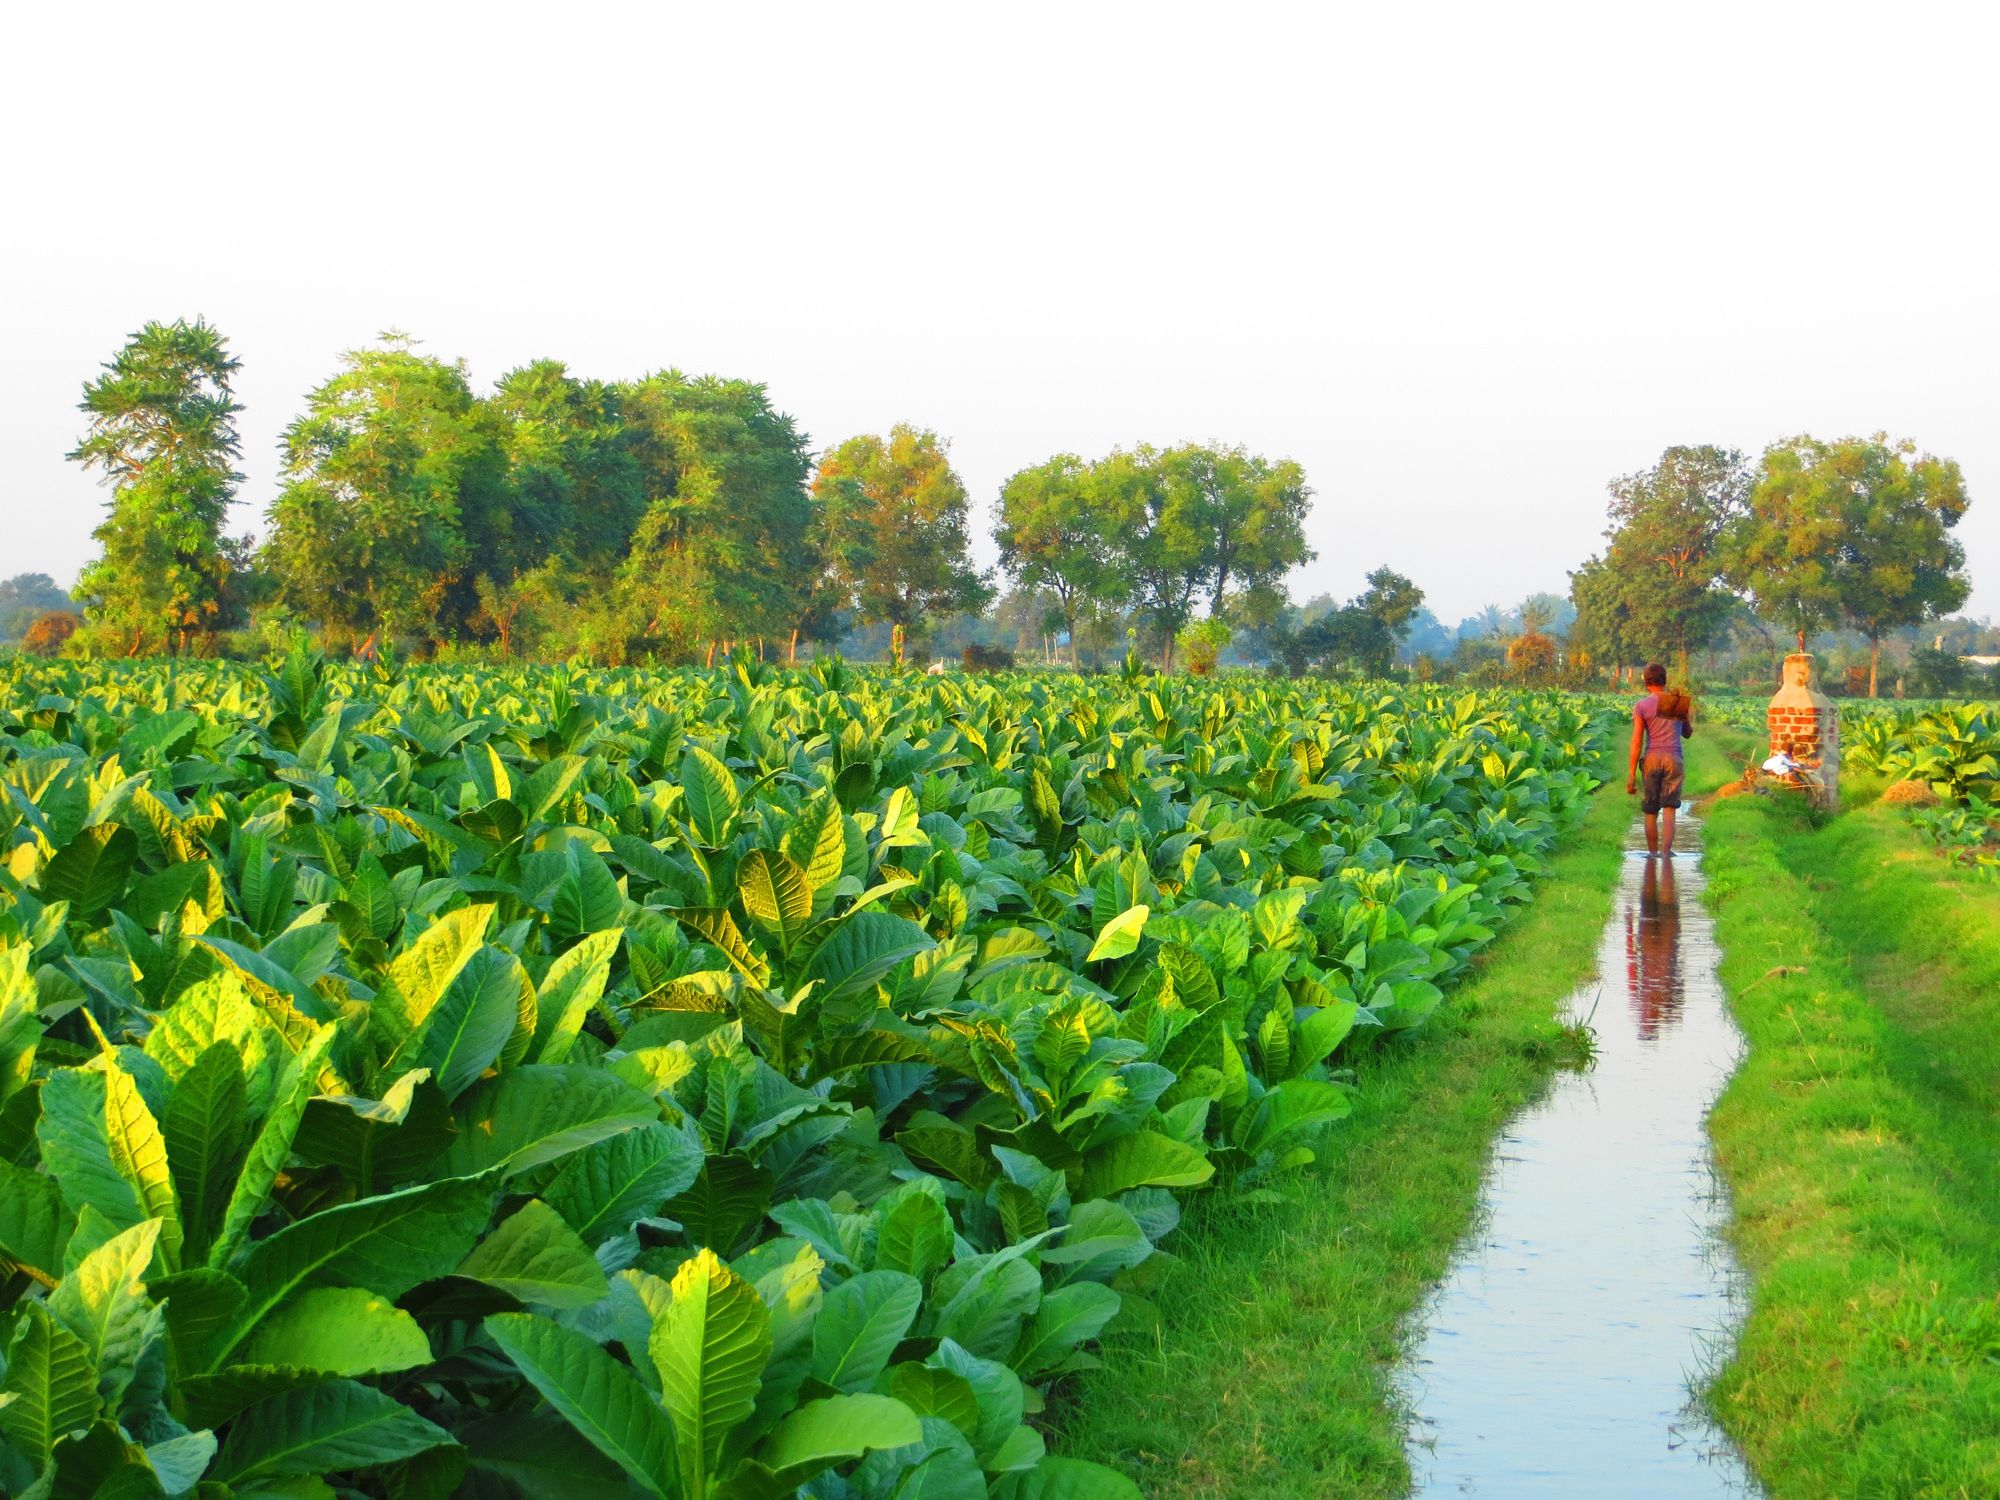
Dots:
(162, 434)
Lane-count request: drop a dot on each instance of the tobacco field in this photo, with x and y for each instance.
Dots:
(738, 1083)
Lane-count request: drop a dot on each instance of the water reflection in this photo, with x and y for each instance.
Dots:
(1653, 950)
(1556, 1357)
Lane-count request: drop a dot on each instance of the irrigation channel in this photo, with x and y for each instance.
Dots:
(1558, 1356)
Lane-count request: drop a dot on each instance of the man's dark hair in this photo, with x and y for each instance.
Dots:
(1655, 675)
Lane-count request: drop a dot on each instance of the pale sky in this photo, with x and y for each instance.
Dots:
(1463, 262)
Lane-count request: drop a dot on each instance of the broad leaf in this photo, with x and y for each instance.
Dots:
(604, 1187)
(338, 1424)
(595, 1394)
(104, 1148)
(1120, 935)
(536, 1114)
(386, 1244)
(830, 1431)
(50, 1388)
(338, 1330)
(89, 871)
(536, 1258)
(1143, 1159)
(710, 1349)
(859, 1326)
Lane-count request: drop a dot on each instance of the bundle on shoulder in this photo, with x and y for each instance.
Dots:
(1675, 704)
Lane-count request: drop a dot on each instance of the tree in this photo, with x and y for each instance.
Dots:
(1665, 565)
(1784, 550)
(1246, 514)
(573, 481)
(367, 531)
(162, 433)
(1603, 631)
(1059, 530)
(721, 552)
(26, 597)
(1393, 600)
(915, 508)
(1900, 565)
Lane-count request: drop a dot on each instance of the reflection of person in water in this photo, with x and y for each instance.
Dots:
(1653, 951)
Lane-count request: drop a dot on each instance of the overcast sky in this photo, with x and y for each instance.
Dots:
(1465, 263)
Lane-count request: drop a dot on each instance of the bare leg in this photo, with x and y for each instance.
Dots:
(1652, 834)
(1667, 832)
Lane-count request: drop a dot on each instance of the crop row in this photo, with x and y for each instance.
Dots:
(568, 1083)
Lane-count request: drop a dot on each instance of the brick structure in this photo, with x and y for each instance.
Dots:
(1803, 719)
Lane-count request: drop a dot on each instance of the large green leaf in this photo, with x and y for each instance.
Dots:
(1067, 1316)
(861, 950)
(386, 1244)
(471, 1022)
(104, 1148)
(89, 871)
(320, 1429)
(1143, 1159)
(712, 797)
(586, 897)
(103, 1302)
(536, 1114)
(915, 1235)
(34, 1223)
(710, 1349)
(604, 1187)
(272, 1146)
(203, 1125)
(859, 1326)
(421, 972)
(1066, 1479)
(541, 1457)
(575, 982)
(596, 1395)
(338, 1330)
(536, 1258)
(1120, 935)
(776, 895)
(829, 1431)
(50, 1385)
(1297, 1104)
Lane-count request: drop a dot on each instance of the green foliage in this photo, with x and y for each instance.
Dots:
(380, 473)
(1659, 587)
(163, 436)
(1854, 531)
(719, 1079)
(907, 499)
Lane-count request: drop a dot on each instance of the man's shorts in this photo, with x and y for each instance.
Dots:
(1661, 787)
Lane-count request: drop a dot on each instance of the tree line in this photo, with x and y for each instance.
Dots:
(668, 516)
(1854, 533)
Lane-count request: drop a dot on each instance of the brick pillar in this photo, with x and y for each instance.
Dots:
(1803, 719)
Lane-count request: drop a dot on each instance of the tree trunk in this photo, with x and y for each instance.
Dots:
(792, 651)
(1069, 619)
(709, 660)
(1874, 662)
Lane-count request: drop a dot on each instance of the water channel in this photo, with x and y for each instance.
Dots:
(1558, 1357)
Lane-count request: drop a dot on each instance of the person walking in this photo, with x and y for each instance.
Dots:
(1660, 722)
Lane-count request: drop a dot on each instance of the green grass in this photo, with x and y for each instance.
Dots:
(1270, 1373)
(1861, 1145)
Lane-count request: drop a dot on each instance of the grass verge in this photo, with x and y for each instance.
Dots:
(1861, 1144)
(1269, 1376)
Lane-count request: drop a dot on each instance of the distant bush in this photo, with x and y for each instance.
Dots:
(48, 634)
(1202, 645)
(977, 658)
